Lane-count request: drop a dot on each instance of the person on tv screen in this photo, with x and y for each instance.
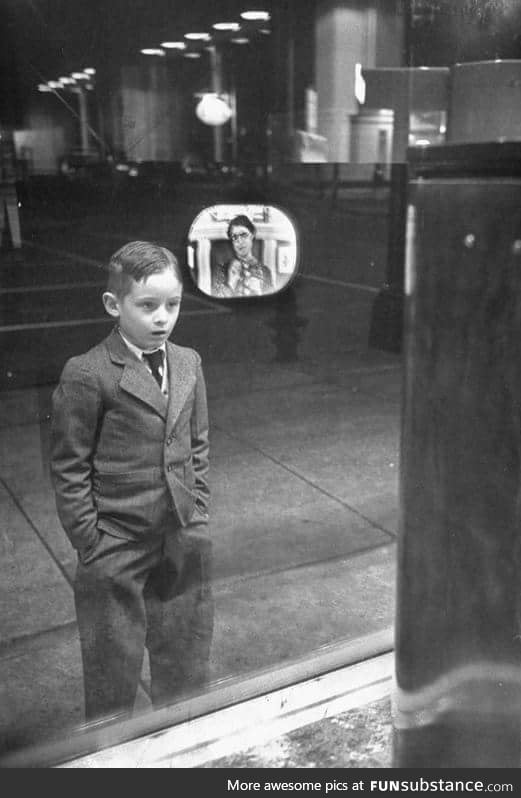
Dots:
(243, 275)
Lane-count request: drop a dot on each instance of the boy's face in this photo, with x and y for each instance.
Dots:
(148, 312)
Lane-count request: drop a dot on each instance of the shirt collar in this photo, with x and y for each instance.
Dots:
(139, 352)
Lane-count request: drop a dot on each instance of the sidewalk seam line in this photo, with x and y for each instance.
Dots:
(308, 481)
(36, 531)
(47, 548)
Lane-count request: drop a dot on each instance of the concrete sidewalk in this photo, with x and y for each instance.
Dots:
(304, 511)
(304, 446)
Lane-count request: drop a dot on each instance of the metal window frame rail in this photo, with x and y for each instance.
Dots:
(89, 739)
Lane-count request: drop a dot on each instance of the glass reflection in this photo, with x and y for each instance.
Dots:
(302, 459)
(303, 446)
(237, 251)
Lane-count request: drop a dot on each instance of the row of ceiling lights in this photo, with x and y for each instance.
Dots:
(73, 82)
(237, 32)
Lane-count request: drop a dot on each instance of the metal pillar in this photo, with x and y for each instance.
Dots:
(386, 324)
(84, 120)
(458, 695)
(217, 87)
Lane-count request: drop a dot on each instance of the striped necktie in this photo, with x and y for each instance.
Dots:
(155, 361)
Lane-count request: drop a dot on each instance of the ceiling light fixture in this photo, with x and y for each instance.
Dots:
(151, 51)
(201, 37)
(213, 110)
(174, 45)
(256, 16)
(232, 26)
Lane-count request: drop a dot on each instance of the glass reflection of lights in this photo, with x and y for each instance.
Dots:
(226, 26)
(255, 16)
(195, 37)
(73, 82)
(213, 110)
(360, 87)
(174, 45)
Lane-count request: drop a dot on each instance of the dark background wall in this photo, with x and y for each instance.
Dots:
(445, 32)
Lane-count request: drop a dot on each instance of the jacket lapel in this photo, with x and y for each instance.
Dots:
(135, 379)
(181, 380)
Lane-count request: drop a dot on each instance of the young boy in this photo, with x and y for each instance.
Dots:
(129, 463)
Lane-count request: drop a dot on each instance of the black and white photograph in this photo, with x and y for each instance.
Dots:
(236, 251)
(260, 390)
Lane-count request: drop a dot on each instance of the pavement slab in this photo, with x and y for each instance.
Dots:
(33, 593)
(275, 618)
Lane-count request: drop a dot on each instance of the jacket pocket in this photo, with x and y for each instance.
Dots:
(136, 501)
(88, 553)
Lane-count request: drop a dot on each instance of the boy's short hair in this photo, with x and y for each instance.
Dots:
(136, 261)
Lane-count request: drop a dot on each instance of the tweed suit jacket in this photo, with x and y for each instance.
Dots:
(122, 453)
